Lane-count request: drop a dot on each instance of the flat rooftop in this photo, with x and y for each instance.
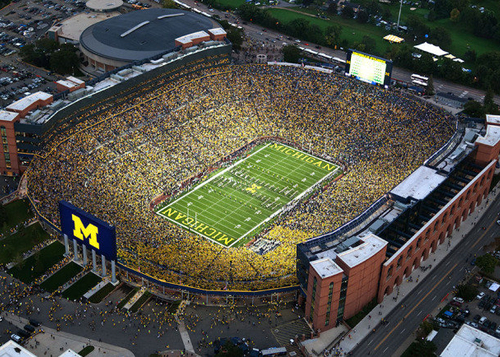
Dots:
(192, 36)
(12, 349)
(492, 136)
(72, 28)
(492, 119)
(8, 116)
(371, 246)
(471, 342)
(25, 102)
(103, 5)
(419, 184)
(326, 267)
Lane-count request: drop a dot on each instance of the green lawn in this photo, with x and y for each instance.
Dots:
(17, 212)
(127, 298)
(461, 37)
(101, 294)
(239, 200)
(233, 4)
(39, 263)
(12, 247)
(61, 277)
(86, 351)
(352, 31)
(83, 285)
(140, 302)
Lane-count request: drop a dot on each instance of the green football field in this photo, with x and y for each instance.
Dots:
(237, 201)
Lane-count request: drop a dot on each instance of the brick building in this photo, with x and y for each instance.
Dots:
(342, 271)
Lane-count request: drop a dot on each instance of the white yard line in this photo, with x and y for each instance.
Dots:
(220, 173)
(296, 199)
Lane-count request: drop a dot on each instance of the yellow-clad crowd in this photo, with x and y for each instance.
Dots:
(115, 161)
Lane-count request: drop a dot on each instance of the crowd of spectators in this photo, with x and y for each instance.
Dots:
(115, 161)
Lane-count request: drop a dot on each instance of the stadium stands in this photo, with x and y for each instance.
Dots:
(122, 154)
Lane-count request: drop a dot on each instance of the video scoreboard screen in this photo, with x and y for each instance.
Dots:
(368, 68)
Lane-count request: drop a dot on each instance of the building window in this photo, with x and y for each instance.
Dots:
(313, 298)
(6, 154)
(329, 307)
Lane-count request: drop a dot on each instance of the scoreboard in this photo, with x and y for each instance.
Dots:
(368, 68)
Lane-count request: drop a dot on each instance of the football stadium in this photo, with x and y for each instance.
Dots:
(198, 179)
(213, 173)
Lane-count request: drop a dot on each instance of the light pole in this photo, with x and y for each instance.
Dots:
(399, 16)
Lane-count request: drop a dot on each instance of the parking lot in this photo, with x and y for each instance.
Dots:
(483, 312)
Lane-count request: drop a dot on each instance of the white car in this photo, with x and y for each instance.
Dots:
(458, 299)
(15, 338)
(480, 295)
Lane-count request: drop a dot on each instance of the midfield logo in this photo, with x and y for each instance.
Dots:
(90, 232)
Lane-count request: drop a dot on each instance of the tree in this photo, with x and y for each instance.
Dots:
(234, 34)
(430, 86)
(470, 56)
(439, 36)
(3, 215)
(455, 15)
(467, 292)
(424, 329)
(373, 8)
(489, 105)
(420, 349)
(362, 17)
(486, 263)
(369, 43)
(64, 61)
(291, 53)
(347, 12)
(473, 109)
(332, 35)
(416, 24)
(230, 350)
(169, 4)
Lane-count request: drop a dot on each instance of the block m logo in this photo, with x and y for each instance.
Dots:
(83, 232)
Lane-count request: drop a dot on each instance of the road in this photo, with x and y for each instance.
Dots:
(267, 36)
(386, 340)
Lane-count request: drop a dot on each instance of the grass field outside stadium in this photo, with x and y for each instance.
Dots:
(234, 203)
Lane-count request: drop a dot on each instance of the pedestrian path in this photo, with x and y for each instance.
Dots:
(53, 343)
(134, 298)
(288, 331)
(354, 337)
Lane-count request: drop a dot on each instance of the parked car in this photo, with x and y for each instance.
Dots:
(34, 323)
(480, 295)
(476, 318)
(458, 299)
(15, 338)
(482, 320)
(23, 333)
(29, 328)
(493, 309)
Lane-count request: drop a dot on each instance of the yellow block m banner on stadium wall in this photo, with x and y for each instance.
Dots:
(88, 230)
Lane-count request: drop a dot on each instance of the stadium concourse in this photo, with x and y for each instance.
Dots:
(121, 156)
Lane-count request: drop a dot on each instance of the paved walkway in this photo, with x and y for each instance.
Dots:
(53, 343)
(364, 327)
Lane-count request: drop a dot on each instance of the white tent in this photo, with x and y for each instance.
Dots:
(432, 49)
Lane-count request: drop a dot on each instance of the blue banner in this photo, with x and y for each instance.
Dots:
(88, 230)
